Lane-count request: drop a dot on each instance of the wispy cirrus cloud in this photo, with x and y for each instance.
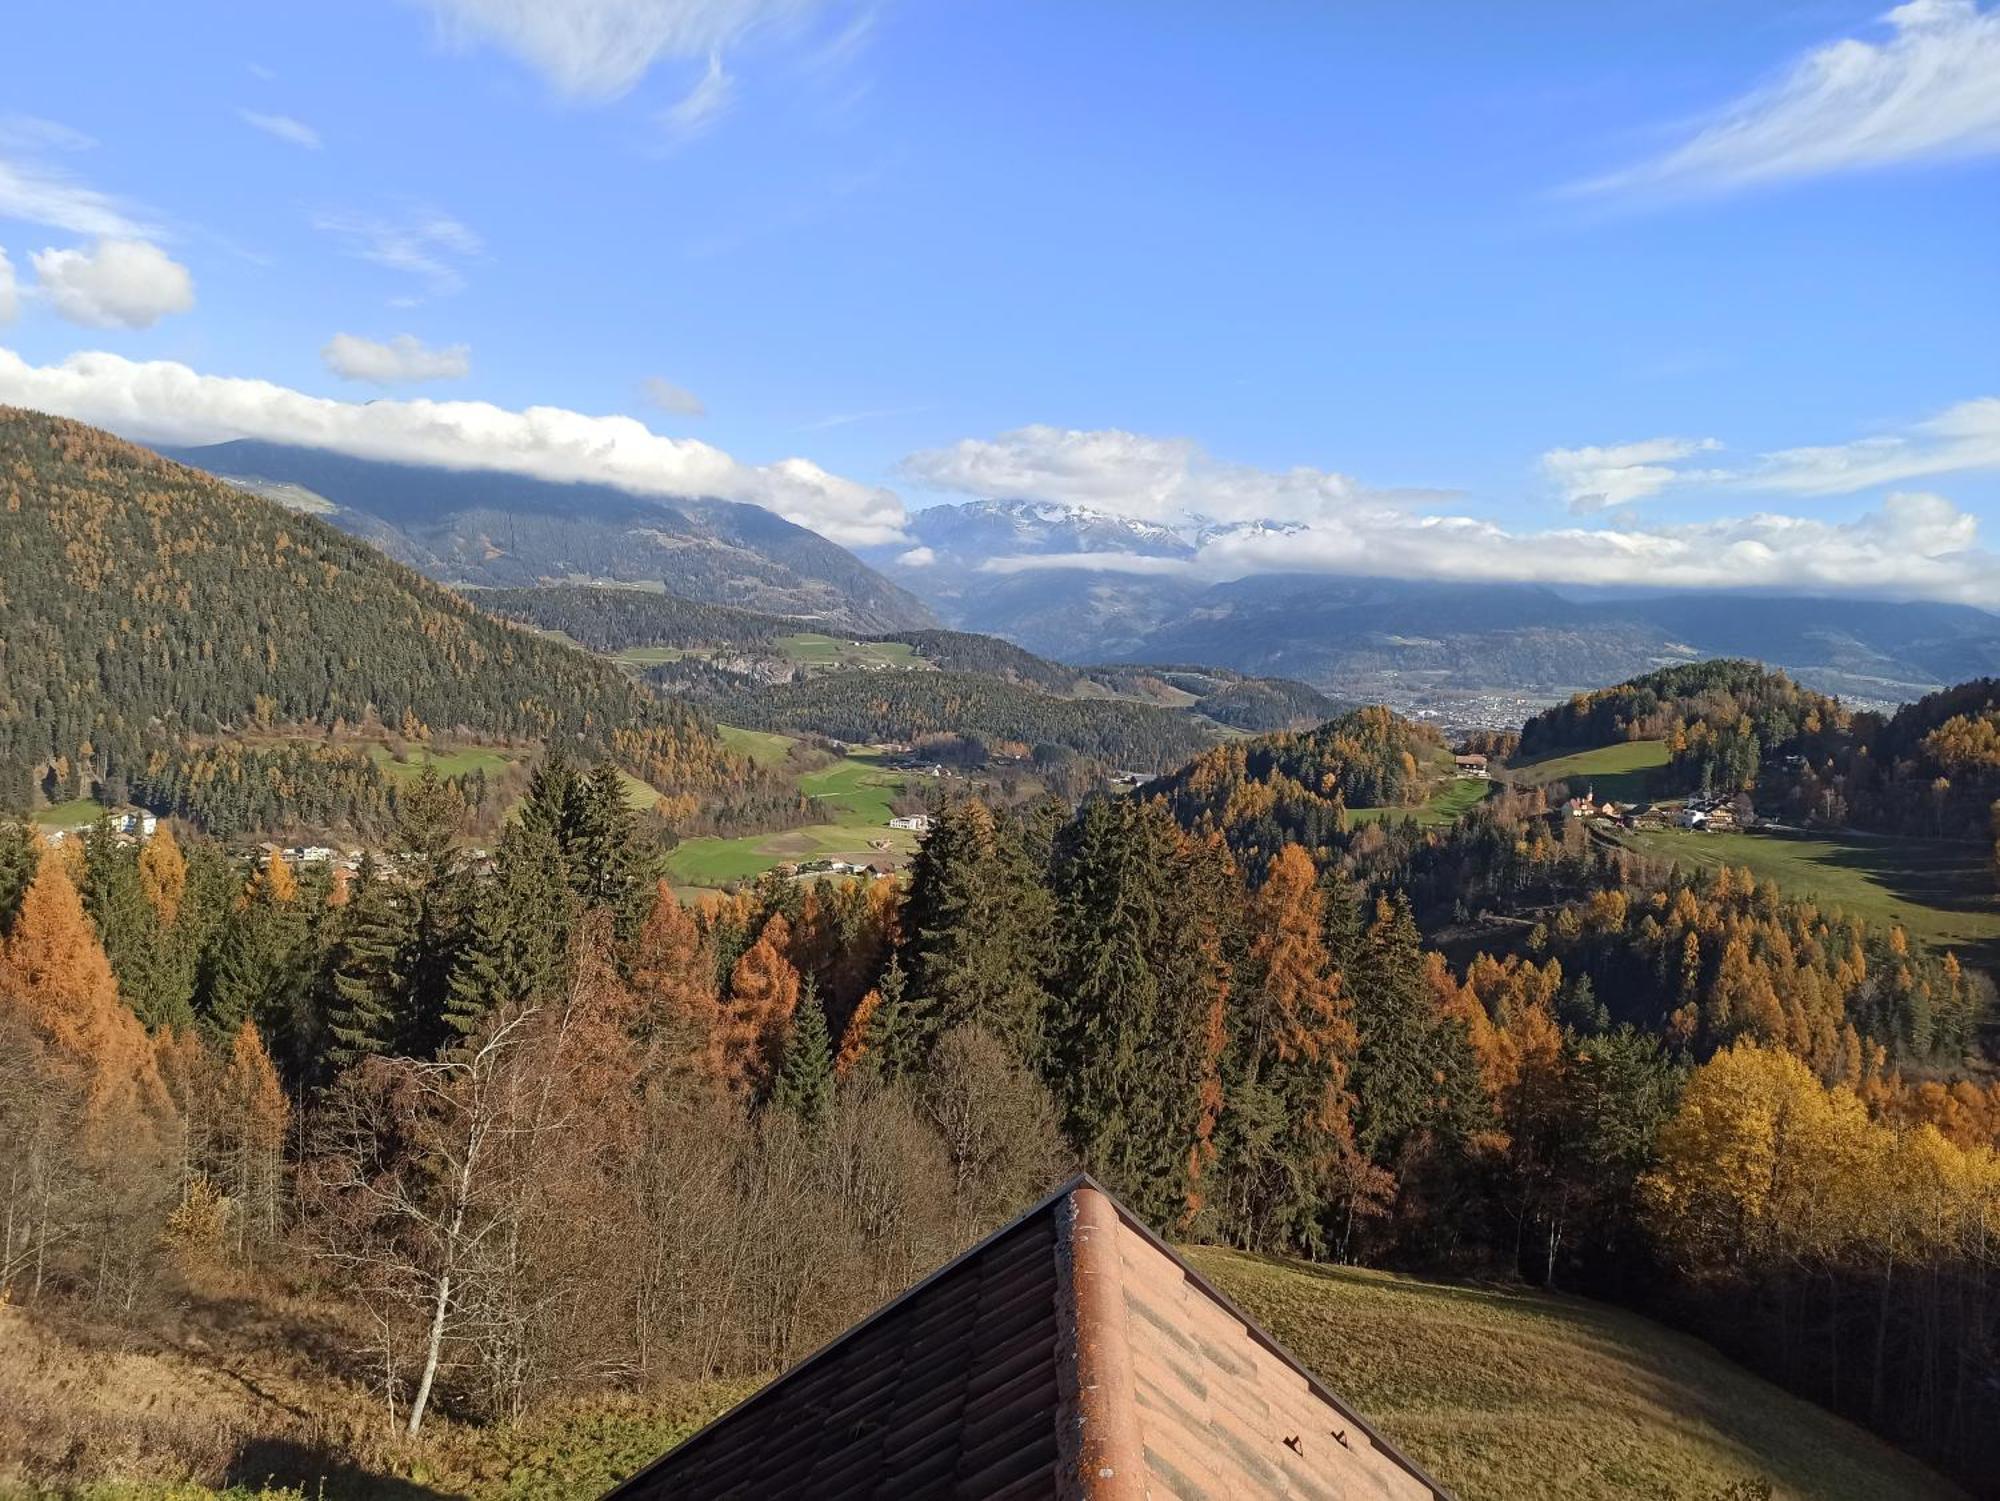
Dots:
(697, 111)
(669, 397)
(600, 49)
(426, 244)
(282, 128)
(1930, 90)
(1961, 439)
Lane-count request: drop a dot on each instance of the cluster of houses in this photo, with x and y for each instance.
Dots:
(1708, 815)
(812, 870)
(127, 824)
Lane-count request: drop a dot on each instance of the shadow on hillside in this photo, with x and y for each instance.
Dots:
(321, 1473)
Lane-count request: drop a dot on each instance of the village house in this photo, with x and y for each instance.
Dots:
(1473, 765)
(916, 823)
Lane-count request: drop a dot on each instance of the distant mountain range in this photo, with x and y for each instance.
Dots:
(1008, 568)
(1405, 642)
(501, 530)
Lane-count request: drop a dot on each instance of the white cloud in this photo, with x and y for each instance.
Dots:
(114, 284)
(1912, 546)
(1958, 440)
(425, 244)
(704, 104)
(917, 557)
(10, 295)
(1599, 479)
(669, 397)
(1930, 90)
(402, 359)
(283, 127)
(169, 402)
(1166, 480)
(599, 49)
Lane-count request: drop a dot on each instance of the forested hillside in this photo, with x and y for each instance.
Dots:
(503, 530)
(1931, 769)
(162, 632)
(1720, 720)
(1296, 788)
(871, 707)
(764, 647)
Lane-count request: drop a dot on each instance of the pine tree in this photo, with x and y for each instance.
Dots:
(805, 1083)
(366, 974)
(550, 805)
(20, 849)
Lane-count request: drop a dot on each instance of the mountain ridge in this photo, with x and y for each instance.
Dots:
(497, 529)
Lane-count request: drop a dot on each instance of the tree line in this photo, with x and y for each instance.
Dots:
(551, 1129)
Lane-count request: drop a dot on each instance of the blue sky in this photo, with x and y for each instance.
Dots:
(1551, 291)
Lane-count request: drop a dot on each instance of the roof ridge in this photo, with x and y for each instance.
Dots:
(1117, 1368)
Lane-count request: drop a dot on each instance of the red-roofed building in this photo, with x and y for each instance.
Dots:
(1070, 1355)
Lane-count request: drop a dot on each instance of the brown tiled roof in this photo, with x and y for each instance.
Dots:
(1070, 1355)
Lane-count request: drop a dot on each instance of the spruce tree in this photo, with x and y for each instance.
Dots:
(367, 974)
(607, 853)
(20, 851)
(517, 939)
(114, 896)
(430, 872)
(1141, 974)
(805, 1083)
(979, 923)
(1416, 1069)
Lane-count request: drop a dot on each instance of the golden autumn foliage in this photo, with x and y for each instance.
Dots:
(54, 976)
(757, 1019)
(673, 981)
(1764, 1165)
(163, 875)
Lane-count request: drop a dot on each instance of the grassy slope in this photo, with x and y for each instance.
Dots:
(1457, 796)
(76, 814)
(1942, 893)
(1517, 1396)
(1504, 1395)
(857, 791)
(1620, 772)
(450, 763)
